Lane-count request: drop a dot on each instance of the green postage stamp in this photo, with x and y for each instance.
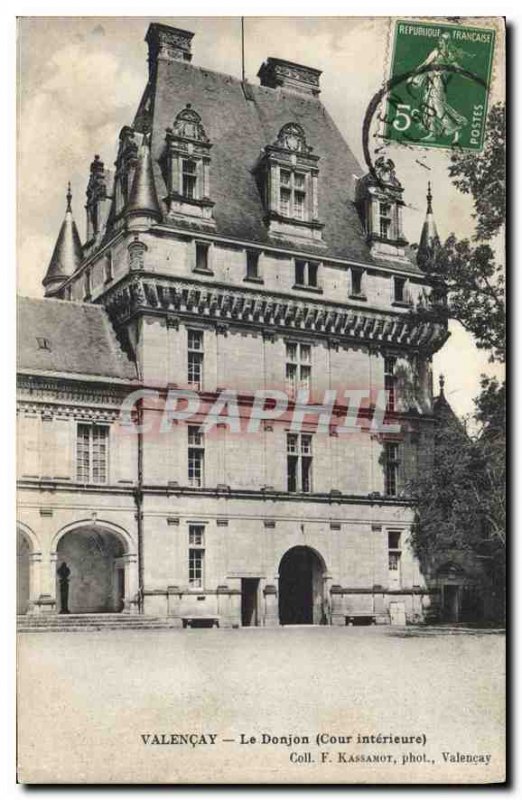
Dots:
(439, 84)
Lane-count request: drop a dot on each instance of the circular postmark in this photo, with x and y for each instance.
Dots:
(420, 121)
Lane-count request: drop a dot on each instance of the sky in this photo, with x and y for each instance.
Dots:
(80, 81)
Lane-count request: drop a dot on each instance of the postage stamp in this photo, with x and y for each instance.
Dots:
(440, 76)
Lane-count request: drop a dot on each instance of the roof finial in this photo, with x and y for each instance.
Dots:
(429, 198)
(69, 196)
(442, 381)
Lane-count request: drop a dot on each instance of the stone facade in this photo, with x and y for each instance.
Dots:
(229, 535)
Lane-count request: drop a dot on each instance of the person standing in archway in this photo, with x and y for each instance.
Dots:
(63, 574)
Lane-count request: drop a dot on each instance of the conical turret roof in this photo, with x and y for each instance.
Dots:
(67, 254)
(143, 198)
(429, 240)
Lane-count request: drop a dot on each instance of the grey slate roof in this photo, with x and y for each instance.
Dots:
(80, 337)
(238, 130)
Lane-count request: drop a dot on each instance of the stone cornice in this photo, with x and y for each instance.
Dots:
(184, 298)
(273, 495)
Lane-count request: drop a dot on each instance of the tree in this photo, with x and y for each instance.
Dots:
(460, 495)
(472, 278)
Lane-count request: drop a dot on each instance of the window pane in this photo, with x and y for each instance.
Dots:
(393, 561)
(196, 535)
(291, 442)
(305, 377)
(306, 444)
(195, 340)
(82, 453)
(291, 375)
(195, 437)
(196, 558)
(398, 287)
(252, 264)
(394, 540)
(292, 473)
(306, 477)
(299, 205)
(195, 369)
(305, 352)
(285, 177)
(99, 454)
(284, 206)
(356, 281)
(299, 180)
(312, 274)
(291, 351)
(195, 467)
(201, 255)
(300, 268)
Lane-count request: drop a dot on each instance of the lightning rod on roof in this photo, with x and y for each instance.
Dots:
(243, 49)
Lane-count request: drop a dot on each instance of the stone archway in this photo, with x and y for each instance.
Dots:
(98, 563)
(24, 551)
(301, 587)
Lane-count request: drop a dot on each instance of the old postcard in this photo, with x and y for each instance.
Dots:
(261, 426)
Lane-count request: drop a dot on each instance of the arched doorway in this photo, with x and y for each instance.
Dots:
(96, 580)
(301, 587)
(23, 576)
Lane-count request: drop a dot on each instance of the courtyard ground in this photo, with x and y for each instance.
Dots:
(144, 706)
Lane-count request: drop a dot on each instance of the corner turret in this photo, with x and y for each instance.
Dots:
(67, 254)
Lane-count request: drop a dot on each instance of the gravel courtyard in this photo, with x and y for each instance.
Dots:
(275, 701)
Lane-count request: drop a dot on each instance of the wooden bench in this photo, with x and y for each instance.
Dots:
(188, 622)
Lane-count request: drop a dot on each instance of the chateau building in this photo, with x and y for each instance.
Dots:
(236, 248)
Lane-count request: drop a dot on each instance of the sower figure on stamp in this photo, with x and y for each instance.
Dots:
(436, 115)
(63, 574)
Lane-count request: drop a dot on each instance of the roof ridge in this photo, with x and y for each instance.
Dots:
(190, 66)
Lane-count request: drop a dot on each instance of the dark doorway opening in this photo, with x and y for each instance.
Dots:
(249, 601)
(301, 587)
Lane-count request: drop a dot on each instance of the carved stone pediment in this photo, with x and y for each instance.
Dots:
(188, 125)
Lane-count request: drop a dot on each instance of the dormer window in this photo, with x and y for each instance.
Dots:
(287, 176)
(379, 202)
(186, 167)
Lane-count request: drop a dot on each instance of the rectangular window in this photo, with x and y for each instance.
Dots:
(306, 273)
(196, 456)
(189, 178)
(394, 557)
(356, 281)
(252, 264)
(195, 355)
(202, 256)
(292, 195)
(299, 462)
(196, 555)
(390, 382)
(399, 290)
(391, 468)
(385, 220)
(298, 366)
(91, 453)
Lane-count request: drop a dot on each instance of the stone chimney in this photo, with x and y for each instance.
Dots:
(289, 76)
(168, 44)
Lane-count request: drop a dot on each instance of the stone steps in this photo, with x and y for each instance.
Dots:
(92, 622)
